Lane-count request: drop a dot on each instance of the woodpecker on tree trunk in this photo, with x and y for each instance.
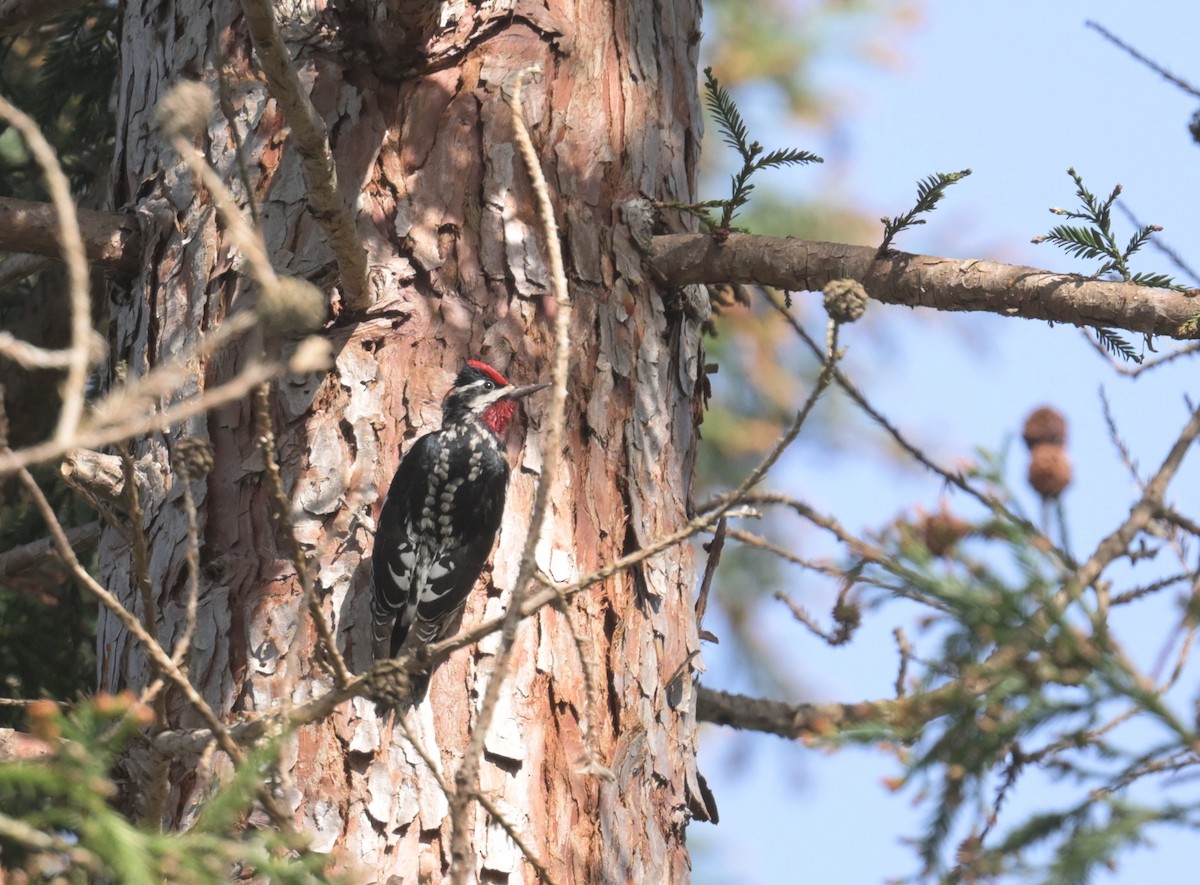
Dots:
(441, 515)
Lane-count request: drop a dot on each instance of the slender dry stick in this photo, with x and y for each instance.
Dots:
(1152, 65)
(225, 102)
(240, 232)
(154, 651)
(137, 534)
(1150, 505)
(951, 478)
(283, 516)
(128, 620)
(30, 356)
(467, 777)
(192, 556)
(312, 142)
(71, 240)
(88, 438)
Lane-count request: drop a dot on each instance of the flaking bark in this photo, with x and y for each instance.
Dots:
(457, 270)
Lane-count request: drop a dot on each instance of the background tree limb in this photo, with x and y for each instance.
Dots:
(925, 281)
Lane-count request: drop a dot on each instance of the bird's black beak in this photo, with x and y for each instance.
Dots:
(518, 392)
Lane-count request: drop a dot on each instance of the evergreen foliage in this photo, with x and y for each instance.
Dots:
(735, 134)
(929, 193)
(70, 829)
(1096, 241)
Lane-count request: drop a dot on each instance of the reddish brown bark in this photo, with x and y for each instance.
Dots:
(457, 268)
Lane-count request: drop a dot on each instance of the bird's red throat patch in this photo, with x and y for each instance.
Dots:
(498, 416)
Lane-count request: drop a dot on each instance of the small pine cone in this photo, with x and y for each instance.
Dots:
(192, 458)
(1045, 426)
(388, 684)
(1049, 470)
(845, 300)
(941, 531)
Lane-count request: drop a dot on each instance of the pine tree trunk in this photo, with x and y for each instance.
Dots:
(416, 107)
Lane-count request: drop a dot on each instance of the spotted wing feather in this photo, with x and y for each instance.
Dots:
(435, 533)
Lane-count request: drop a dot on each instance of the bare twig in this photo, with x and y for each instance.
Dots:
(952, 478)
(153, 650)
(1151, 503)
(283, 516)
(710, 570)
(95, 437)
(1154, 66)
(467, 776)
(137, 536)
(185, 476)
(71, 241)
(312, 142)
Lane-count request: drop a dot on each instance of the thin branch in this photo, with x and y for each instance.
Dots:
(467, 776)
(796, 720)
(128, 620)
(170, 670)
(329, 207)
(283, 516)
(952, 478)
(184, 472)
(139, 552)
(1150, 505)
(95, 437)
(1157, 242)
(924, 281)
(1154, 66)
(71, 241)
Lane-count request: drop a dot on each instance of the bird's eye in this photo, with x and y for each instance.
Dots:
(489, 385)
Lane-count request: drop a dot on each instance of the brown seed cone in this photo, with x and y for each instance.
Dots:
(1049, 470)
(1045, 426)
(941, 531)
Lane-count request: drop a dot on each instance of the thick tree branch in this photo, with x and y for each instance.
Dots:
(32, 555)
(111, 240)
(925, 281)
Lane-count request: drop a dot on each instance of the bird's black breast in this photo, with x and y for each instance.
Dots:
(437, 527)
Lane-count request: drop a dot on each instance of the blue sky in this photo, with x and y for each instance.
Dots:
(1017, 91)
